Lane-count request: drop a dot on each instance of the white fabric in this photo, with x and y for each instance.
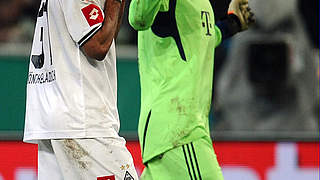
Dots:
(48, 166)
(70, 95)
(83, 159)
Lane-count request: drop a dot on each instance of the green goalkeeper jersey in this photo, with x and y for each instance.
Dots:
(176, 42)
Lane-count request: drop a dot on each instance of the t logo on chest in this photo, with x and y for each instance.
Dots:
(205, 17)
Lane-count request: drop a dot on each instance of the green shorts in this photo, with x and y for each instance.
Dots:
(195, 161)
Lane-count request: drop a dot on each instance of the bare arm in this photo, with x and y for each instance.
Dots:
(98, 46)
(123, 4)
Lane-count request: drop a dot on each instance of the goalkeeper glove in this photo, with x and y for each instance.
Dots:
(241, 9)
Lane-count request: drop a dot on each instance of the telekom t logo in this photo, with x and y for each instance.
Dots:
(205, 17)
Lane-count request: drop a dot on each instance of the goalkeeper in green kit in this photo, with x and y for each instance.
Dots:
(176, 43)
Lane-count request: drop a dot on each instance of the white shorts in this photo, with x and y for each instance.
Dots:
(85, 159)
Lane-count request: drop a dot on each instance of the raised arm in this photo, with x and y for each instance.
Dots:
(98, 45)
(123, 4)
(143, 12)
(238, 19)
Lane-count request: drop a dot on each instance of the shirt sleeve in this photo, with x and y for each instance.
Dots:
(229, 26)
(83, 18)
(143, 12)
(218, 35)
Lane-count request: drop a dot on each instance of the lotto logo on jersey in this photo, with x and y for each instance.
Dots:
(93, 14)
(107, 178)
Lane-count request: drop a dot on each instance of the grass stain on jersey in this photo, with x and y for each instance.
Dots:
(178, 106)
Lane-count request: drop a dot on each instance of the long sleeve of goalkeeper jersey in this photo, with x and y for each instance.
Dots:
(143, 12)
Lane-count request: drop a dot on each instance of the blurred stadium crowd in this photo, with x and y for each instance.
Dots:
(266, 79)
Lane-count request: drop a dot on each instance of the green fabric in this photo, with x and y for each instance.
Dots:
(176, 93)
(196, 160)
(143, 12)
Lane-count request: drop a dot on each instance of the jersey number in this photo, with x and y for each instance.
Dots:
(38, 60)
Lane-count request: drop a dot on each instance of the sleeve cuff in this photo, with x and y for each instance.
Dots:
(91, 33)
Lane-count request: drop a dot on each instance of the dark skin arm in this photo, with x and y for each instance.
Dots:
(98, 45)
(123, 4)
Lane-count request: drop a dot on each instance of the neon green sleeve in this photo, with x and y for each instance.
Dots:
(218, 35)
(143, 12)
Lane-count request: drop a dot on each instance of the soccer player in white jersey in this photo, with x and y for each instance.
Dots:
(71, 109)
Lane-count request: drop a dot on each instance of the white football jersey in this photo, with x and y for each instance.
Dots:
(70, 95)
